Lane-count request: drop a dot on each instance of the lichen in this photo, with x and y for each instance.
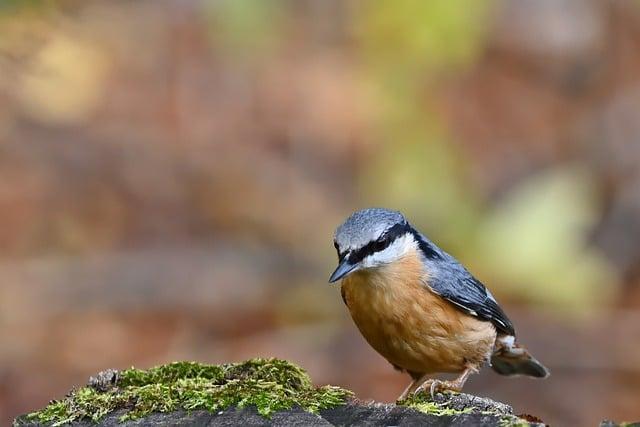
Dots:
(513, 421)
(423, 403)
(269, 385)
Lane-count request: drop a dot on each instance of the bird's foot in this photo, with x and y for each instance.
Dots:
(404, 394)
(456, 385)
(410, 388)
(434, 386)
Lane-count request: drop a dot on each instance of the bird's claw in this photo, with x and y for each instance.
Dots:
(436, 386)
(432, 385)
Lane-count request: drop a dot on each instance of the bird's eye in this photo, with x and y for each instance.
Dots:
(383, 242)
(335, 245)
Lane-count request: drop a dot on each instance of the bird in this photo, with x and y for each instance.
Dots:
(420, 308)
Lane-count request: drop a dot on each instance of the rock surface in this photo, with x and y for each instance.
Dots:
(256, 392)
(458, 410)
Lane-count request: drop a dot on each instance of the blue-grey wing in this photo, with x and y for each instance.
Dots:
(449, 279)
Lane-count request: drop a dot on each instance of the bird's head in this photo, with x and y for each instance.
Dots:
(370, 238)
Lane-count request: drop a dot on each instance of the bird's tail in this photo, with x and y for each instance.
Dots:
(509, 358)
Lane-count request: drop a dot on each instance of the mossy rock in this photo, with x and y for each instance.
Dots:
(254, 393)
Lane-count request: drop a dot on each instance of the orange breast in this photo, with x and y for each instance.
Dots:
(409, 325)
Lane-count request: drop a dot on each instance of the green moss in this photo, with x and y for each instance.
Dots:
(267, 384)
(423, 403)
(513, 421)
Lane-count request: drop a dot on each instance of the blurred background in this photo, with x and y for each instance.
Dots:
(171, 173)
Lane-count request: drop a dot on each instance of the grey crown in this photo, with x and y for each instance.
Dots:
(365, 226)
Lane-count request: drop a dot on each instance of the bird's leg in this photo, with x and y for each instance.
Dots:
(456, 385)
(416, 382)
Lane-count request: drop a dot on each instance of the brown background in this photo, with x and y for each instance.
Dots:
(171, 173)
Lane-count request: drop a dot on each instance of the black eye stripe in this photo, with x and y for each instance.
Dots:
(381, 244)
(426, 248)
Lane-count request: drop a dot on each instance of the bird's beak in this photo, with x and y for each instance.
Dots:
(343, 269)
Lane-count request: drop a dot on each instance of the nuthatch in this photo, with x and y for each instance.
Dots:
(419, 307)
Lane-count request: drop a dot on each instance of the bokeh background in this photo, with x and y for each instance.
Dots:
(171, 173)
